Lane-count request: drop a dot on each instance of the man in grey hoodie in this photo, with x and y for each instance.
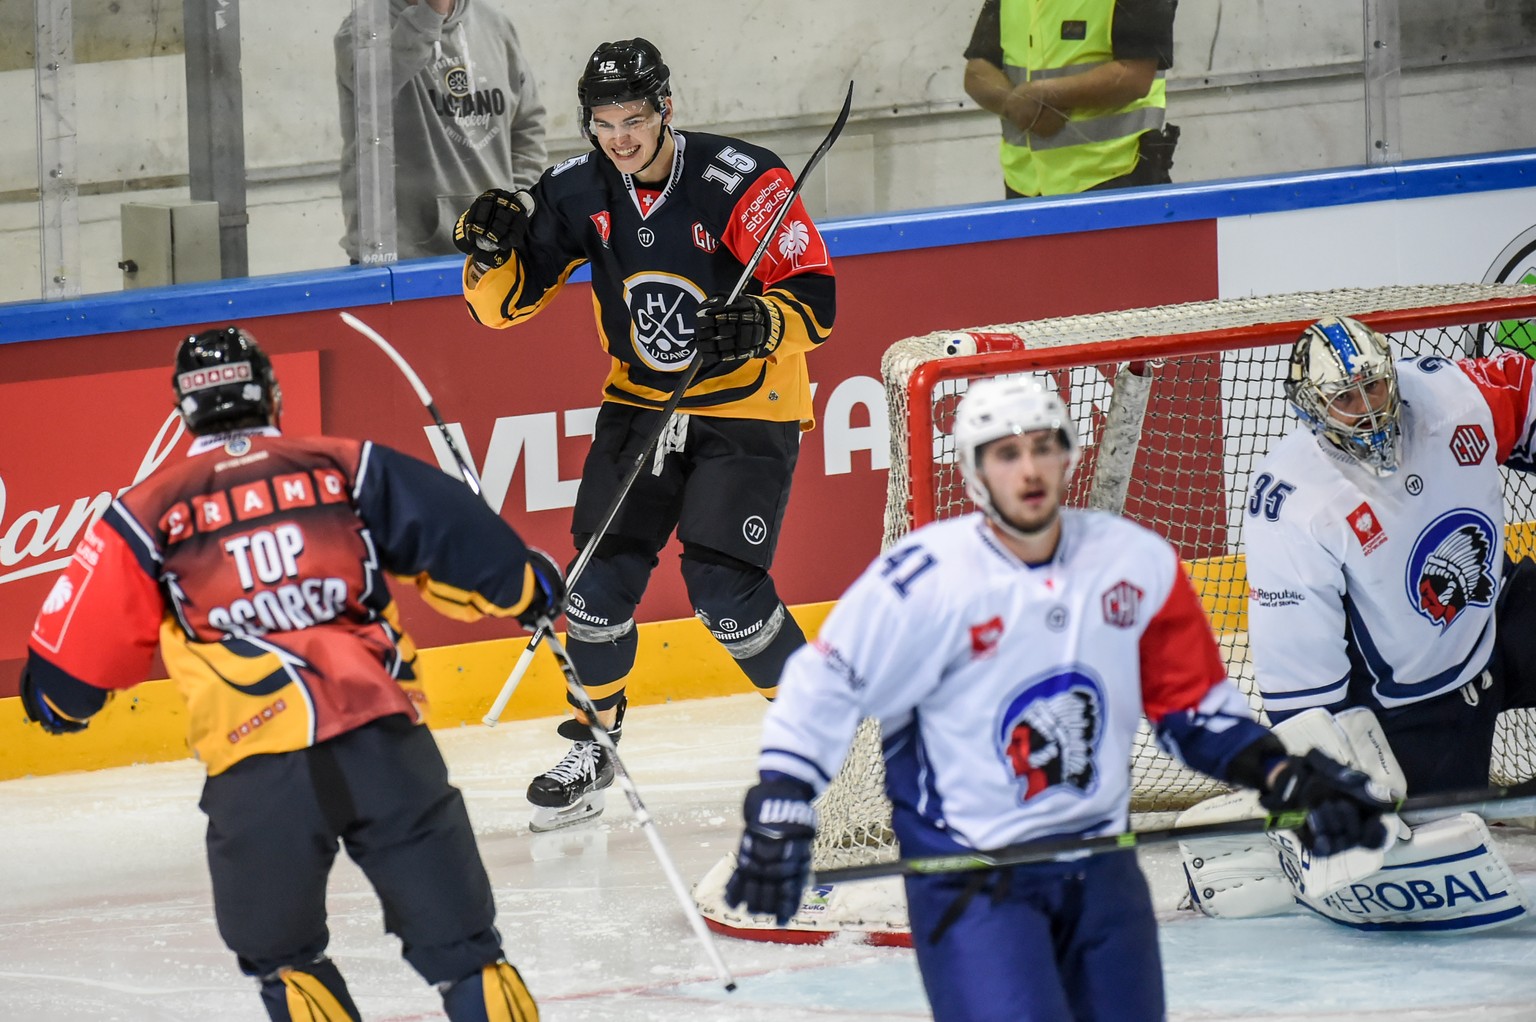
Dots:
(467, 118)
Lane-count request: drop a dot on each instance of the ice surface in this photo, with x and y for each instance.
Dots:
(105, 913)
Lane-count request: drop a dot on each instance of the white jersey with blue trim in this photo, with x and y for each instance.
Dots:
(1008, 694)
(1389, 580)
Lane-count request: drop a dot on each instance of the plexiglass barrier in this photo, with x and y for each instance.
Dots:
(264, 110)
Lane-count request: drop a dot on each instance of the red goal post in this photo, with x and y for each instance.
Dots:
(1174, 406)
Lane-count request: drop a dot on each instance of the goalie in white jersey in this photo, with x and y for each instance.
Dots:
(1375, 548)
(1386, 623)
(1009, 656)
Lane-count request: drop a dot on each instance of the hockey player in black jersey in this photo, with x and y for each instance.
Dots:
(668, 220)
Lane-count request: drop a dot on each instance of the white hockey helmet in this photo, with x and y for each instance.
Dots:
(1337, 356)
(1007, 406)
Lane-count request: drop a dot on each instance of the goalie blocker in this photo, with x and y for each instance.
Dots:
(1443, 876)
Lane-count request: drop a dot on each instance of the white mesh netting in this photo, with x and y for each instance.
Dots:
(1210, 415)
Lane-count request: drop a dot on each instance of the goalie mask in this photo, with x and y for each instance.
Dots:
(223, 381)
(1343, 385)
(622, 72)
(999, 407)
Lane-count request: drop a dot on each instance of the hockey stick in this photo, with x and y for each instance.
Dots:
(421, 392)
(668, 410)
(545, 630)
(1511, 801)
(642, 815)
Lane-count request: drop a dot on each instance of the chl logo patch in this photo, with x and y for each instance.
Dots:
(1121, 603)
(1469, 444)
(703, 240)
(1366, 527)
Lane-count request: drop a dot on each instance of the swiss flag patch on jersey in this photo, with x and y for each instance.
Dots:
(985, 637)
(1366, 527)
(1469, 444)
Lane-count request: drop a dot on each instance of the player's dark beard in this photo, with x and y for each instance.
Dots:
(1028, 532)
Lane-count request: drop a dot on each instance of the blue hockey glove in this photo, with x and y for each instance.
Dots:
(774, 860)
(749, 327)
(1343, 805)
(37, 708)
(549, 590)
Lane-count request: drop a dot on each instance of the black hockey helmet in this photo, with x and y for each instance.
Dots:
(621, 72)
(223, 381)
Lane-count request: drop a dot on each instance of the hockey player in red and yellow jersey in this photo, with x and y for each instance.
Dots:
(668, 220)
(258, 568)
(1009, 656)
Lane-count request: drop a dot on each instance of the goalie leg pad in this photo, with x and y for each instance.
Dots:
(1353, 737)
(315, 993)
(496, 993)
(1233, 877)
(1449, 877)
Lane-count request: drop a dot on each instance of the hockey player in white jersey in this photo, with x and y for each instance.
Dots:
(1009, 655)
(1375, 548)
(1385, 621)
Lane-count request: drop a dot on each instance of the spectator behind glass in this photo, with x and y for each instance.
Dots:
(467, 118)
(1080, 90)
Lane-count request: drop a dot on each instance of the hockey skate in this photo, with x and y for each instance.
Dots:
(572, 791)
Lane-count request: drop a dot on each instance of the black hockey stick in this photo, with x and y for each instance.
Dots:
(600, 733)
(1510, 801)
(373, 335)
(521, 667)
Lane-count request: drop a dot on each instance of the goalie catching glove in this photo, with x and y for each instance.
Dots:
(493, 226)
(1343, 805)
(774, 860)
(749, 327)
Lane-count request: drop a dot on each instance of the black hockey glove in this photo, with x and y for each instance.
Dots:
(774, 860)
(548, 590)
(493, 225)
(37, 708)
(1342, 804)
(749, 327)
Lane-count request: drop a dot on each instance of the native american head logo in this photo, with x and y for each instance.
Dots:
(1451, 566)
(1049, 731)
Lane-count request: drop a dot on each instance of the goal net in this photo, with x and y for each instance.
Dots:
(1175, 405)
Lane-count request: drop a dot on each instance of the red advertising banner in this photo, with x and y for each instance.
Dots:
(524, 400)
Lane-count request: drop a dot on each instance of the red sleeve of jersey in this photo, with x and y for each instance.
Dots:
(100, 622)
(798, 245)
(1505, 381)
(1180, 661)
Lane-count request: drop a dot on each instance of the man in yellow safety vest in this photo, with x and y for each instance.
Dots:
(1079, 85)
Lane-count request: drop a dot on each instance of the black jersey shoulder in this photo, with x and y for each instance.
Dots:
(718, 170)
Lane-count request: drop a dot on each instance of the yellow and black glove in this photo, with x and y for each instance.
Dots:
(493, 226)
(749, 327)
